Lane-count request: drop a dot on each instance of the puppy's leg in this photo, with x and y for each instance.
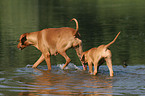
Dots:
(109, 61)
(66, 58)
(96, 67)
(109, 64)
(100, 63)
(90, 67)
(38, 61)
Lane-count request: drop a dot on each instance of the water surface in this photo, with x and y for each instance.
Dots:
(73, 81)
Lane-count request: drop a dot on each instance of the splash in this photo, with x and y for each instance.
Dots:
(28, 66)
(70, 66)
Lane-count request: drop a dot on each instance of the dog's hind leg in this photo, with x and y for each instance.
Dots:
(78, 47)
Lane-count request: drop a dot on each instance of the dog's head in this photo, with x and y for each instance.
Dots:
(23, 42)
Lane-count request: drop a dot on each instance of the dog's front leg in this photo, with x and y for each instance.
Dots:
(48, 62)
(38, 61)
(47, 59)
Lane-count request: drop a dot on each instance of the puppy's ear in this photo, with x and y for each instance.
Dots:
(83, 57)
(23, 39)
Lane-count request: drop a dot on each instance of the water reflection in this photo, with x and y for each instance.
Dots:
(72, 81)
(68, 82)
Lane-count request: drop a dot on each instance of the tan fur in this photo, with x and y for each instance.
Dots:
(94, 56)
(52, 41)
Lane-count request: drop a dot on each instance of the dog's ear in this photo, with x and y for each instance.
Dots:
(23, 39)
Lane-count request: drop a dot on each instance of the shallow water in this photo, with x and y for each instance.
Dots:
(72, 81)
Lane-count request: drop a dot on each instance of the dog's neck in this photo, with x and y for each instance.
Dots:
(32, 39)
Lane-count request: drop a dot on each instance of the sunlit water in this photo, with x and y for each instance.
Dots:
(72, 81)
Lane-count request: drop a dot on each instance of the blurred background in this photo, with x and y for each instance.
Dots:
(99, 22)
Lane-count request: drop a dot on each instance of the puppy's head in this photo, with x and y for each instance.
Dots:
(83, 57)
(83, 60)
(22, 42)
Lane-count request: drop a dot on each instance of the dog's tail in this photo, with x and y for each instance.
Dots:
(112, 41)
(77, 26)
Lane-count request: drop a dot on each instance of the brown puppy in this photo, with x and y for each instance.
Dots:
(52, 41)
(97, 56)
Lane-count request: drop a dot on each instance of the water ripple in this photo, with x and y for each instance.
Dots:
(73, 80)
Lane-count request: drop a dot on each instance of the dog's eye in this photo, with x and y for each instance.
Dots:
(23, 40)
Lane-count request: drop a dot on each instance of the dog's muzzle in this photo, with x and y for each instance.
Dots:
(19, 47)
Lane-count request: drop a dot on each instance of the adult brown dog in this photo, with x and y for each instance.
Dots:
(51, 41)
(97, 56)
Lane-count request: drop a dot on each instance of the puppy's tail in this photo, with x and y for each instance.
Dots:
(112, 41)
(77, 27)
